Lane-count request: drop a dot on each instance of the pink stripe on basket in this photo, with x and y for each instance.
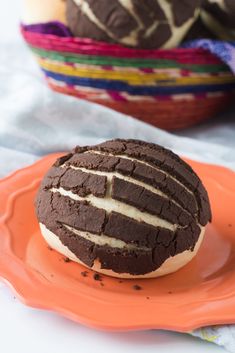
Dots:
(147, 70)
(89, 47)
(107, 68)
(117, 96)
(163, 98)
(70, 64)
(185, 73)
(200, 95)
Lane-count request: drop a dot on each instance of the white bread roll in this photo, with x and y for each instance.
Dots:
(40, 11)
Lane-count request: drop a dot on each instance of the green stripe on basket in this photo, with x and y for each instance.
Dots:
(110, 61)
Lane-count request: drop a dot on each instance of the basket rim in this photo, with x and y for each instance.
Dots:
(87, 43)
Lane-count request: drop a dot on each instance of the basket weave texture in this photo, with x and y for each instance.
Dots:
(170, 89)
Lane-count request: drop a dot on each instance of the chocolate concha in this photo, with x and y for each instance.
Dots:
(199, 31)
(219, 17)
(125, 208)
(135, 23)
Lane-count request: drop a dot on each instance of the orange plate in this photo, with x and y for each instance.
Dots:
(202, 293)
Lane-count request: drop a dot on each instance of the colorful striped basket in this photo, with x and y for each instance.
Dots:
(170, 89)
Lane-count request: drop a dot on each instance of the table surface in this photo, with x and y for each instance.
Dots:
(32, 330)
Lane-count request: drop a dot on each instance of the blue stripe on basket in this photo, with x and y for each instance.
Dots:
(137, 90)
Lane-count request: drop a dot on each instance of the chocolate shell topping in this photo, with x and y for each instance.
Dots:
(222, 10)
(128, 203)
(219, 17)
(136, 23)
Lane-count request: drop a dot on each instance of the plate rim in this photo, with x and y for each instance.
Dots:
(30, 298)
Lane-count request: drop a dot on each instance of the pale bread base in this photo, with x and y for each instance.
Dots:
(42, 11)
(169, 266)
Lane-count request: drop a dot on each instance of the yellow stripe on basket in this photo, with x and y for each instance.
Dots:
(138, 78)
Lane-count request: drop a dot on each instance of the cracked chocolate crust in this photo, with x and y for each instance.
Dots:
(166, 161)
(140, 176)
(153, 245)
(224, 14)
(141, 24)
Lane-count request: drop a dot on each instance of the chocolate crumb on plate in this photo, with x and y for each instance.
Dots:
(84, 273)
(97, 277)
(66, 259)
(137, 287)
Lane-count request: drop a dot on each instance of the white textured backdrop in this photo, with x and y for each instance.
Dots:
(35, 121)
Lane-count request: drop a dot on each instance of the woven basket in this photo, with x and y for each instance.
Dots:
(170, 89)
